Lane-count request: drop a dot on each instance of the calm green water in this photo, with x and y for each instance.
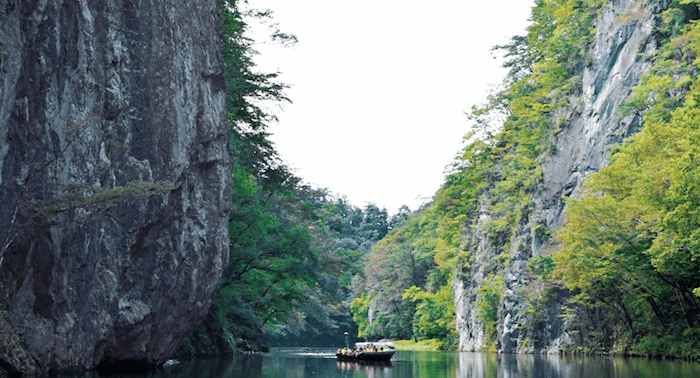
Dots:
(315, 362)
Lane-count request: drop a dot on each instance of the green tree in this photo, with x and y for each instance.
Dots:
(293, 248)
(631, 243)
(488, 302)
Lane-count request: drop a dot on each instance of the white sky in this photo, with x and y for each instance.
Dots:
(380, 87)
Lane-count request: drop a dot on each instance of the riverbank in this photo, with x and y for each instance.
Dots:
(649, 348)
(429, 345)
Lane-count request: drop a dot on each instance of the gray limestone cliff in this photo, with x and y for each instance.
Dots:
(621, 52)
(114, 179)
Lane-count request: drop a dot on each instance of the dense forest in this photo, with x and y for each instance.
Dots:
(294, 249)
(626, 260)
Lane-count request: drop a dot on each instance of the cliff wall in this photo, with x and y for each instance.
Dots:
(114, 179)
(620, 54)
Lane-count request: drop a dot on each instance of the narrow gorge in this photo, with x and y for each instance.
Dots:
(148, 216)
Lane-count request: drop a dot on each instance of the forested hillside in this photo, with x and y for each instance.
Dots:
(629, 248)
(488, 265)
(294, 249)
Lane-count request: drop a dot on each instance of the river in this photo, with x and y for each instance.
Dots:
(320, 362)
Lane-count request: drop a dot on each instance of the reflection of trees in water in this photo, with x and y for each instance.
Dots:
(485, 365)
(369, 370)
(476, 365)
(202, 368)
(488, 365)
(420, 364)
(236, 366)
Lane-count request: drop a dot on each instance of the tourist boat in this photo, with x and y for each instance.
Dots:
(367, 352)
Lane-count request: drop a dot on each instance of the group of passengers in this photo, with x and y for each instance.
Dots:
(352, 352)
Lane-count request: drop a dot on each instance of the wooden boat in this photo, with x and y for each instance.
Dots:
(384, 356)
(368, 352)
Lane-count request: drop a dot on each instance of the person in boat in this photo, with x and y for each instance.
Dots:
(345, 352)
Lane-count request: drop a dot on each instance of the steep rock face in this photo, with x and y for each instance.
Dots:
(620, 54)
(113, 179)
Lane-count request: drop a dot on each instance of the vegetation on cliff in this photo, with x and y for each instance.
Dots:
(294, 249)
(501, 162)
(628, 250)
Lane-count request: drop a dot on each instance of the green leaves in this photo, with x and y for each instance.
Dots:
(541, 266)
(294, 249)
(434, 314)
(500, 171)
(631, 243)
(360, 309)
(487, 302)
(247, 89)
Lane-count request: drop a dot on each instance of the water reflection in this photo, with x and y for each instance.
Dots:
(297, 363)
(375, 370)
(481, 365)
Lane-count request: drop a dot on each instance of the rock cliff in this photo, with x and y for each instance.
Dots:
(620, 53)
(114, 179)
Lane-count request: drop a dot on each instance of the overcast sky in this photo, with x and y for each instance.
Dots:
(380, 87)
